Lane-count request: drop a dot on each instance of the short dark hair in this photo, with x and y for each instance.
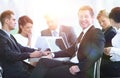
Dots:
(6, 14)
(115, 14)
(23, 20)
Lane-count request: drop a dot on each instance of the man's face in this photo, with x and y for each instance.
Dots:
(52, 24)
(11, 22)
(85, 19)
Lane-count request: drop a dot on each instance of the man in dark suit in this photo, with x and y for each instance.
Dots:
(12, 53)
(66, 32)
(90, 49)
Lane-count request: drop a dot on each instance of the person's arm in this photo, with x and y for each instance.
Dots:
(69, 52)
(64, 53)
(10, 54)
(94, 50)
(112, 51)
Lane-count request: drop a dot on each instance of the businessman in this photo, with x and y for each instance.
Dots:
(66, 32)
(12, 53)
(91, 44)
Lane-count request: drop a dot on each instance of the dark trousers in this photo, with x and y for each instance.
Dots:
(110, 70)
(47, 68)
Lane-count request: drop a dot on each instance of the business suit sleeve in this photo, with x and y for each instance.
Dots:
(69, 52)
(9, 52)
(25, 49)
(91, 50)
(109, 34)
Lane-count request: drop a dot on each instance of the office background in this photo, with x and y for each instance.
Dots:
(64, 10)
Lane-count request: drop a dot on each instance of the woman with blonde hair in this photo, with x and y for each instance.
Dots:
(109, 33)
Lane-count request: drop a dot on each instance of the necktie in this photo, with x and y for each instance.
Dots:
(12, 39)
(75, 59)
(80, 37)
(55, 33)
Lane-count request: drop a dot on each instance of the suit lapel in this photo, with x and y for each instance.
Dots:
(14, 42)
(8, 38)
(87, 34)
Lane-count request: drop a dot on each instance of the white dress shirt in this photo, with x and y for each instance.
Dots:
(55, 33)
(115, 50)
(75, 58)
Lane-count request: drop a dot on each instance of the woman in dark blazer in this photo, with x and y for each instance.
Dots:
(109, 33)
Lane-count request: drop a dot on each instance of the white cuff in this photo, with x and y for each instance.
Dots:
(53, 55)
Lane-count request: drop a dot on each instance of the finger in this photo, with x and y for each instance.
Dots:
(71, 71)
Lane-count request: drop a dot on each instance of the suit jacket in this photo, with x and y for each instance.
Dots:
(11, 56)
(66, 32)
(89, 51)
(108, 34)
(106, 62)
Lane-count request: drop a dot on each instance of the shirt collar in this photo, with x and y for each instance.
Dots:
(57, 30)
(85, 30)
(6, 32)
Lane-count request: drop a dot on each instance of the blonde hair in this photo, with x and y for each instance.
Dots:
(86, 7)
(103, 13)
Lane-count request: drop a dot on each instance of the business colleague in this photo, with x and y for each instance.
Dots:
(66, 32)
(109, 33)
(90, 49)
(24, 35)
(114, 51)
(12, 53)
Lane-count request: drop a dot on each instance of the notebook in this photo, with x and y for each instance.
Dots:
(51, 43)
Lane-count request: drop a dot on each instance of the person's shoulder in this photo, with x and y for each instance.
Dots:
(112, 29)
(94, 29)
(45, 30)
(2, 34)
(17, 35)
(66, 27)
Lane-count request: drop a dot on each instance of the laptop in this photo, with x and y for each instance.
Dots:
(53, 44)
(50, 43)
